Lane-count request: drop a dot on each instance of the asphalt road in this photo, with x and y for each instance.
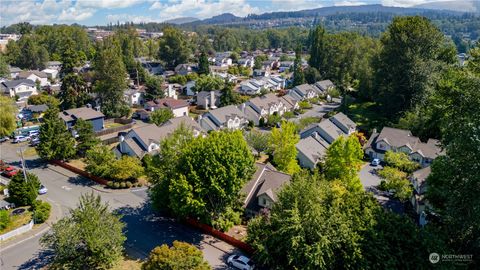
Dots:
(145, 229)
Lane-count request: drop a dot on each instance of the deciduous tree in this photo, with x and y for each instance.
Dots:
(282, 146)
(7, 116)
(178, 257)
(174, 48)
(160, 116)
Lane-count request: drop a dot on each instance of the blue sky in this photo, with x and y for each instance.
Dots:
(101, 12)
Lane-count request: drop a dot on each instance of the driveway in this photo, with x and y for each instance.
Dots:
(368, 177)
(317, 111)
(145, 228)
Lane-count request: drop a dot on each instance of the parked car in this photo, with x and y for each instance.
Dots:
(34, 133)
(375, 162)
(4, 139)
(9, 172)
(240, 262)
(35, 142)
(21, 138)
(43, 190)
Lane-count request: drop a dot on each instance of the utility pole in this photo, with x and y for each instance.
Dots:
(138, 81)
(23, 165)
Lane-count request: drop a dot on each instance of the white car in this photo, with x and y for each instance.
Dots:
(240, 262)
(21, 138)
(375, 162)
(43, 190)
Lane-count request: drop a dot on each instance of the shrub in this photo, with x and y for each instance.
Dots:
(400, 161)
(396, 181)
(304, 105)
(227, 220)
(288, 115)
(110, 184)
(123, 185)
(126, 168)
(129, 184)
(4, 219)
(116, 185)
(41, 211)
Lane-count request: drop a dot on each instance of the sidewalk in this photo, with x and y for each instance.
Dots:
(55, 215)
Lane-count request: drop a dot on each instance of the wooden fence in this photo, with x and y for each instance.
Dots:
(83, 173)
(220, 235)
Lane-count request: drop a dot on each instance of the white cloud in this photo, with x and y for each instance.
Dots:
(292, 5)
(128, 18)
(202, 8)
(111, 4)
(349, 3)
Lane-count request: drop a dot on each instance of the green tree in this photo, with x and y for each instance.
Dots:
(259, 61)
(311, 75)
(99, 160)
(412, 48)
(208, 83)
(41, 211)
(174, 49)
(160, 116)
(400, 161)
(4, 69)
(56, 142)
(44, 98)
(154, 88)
(31, 55)
(23, 191)
(343, 161)
(126, 168)
(73, 91)
(89, 238)
(208, 177)
(298, 76)
(111, 79)
(282, 146)
(317, 48)
(396, 181)
(86, 136)
(229, 97)
(4, 219)
(203, 65)
(178, 257)
(257, 140)
(7, 116)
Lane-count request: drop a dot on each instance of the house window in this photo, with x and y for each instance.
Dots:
(264, 201)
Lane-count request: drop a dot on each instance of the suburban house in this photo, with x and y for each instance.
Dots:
(262, 189)
(51, 73)
(53, 65)
(14, 71)
(228, 117)
(246, 62)
(418, 180)
(263, 106)
(311, 150)
(208, 99)
(88, 114)
(171, 90)
(304, 91)
(146, 139)
(153, 67)
(261, 73)
(316, 138)
(255, 86)
(179, 107)
(134, 96)
(324, 85)
(37, 109)
(401, 140)
(35, 76)
(188, 89)
(183, 69)
(285, 65)
(23, 88)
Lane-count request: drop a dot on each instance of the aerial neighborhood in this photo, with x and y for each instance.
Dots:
(286, 140)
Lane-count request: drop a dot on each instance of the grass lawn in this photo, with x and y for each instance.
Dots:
(17, 220)
(367, 116)
(77, 163)
(128, 264)
(29, 152)
(112, 125)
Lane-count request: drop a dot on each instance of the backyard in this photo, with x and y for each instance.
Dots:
(17, 218)
(366, 115)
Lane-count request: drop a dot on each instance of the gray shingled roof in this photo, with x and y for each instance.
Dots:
(224, 113)
(313, 147)
(324, 85)
(342, 118)
(304, 88)
(397, 137)
(331, 129)
(15, 83)
(80, 113)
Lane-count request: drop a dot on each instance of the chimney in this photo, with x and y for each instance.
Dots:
(374, 131)
(121, 139)
(212, 99)
(242, 108)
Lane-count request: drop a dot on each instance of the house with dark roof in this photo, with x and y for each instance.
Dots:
(263, 106)
(23, 88)
(311, 150)
(419, 183)
(228, 117)
(324, 85)
(71, 116)
(146, 139)
(179, 107)
(401, 140)
(262, 189)
(304, 91)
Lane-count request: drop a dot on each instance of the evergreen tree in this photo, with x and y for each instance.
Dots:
(298, 76)
(317, 48)
(174, 49)
(56, 142)
(111, 79)
(23, 191)
(203, 65)
(229, 97)
(86, 136)
(154, 88)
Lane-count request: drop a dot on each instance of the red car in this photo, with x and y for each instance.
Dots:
(9, 171)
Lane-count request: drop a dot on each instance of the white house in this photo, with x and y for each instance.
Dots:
(304, 91)
(23, 88)
(146, 139)
(263, 106)
(171, 92)
(285, 65)
(246, 62)
(51, 73)
(134, 97)
(189, 88)
(35, 76)
(179, 107)
(57, 65)
(228, 117)
(208, 99)
(14, 71)
(401, 140)
(419, 183)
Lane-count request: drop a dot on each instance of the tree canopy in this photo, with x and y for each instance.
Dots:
(174, 49)
(178, 257)
(7, 116)
(56, 142)
(282, 146)
(160, 116)
(23, 191)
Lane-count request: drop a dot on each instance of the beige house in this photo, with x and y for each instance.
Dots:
(418, 180)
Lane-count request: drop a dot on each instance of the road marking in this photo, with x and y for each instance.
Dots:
(67, 188)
